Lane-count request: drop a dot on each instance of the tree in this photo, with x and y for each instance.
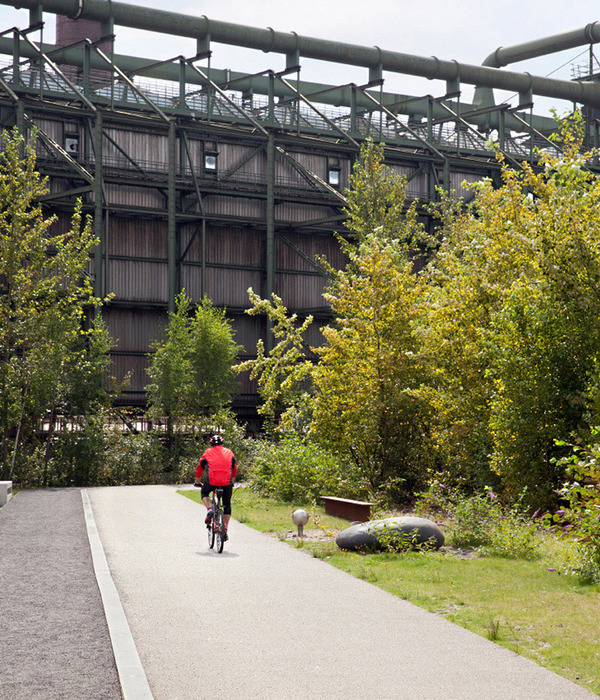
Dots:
(44, 296)
(191, 369)
(510, 324)
(284, 374)
(368, 402)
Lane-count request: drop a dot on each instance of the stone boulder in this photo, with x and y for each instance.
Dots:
(399, 532)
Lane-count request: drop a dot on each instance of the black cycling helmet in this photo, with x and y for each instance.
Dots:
(216, 440)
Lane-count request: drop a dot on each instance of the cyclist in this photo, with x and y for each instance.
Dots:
(218, 462)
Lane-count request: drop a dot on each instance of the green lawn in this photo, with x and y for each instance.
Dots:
(520, 604)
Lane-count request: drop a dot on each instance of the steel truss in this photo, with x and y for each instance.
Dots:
(186, 98)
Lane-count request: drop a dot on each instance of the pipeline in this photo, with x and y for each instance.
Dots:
(503, 56)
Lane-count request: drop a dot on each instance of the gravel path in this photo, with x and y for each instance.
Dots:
(54, 641)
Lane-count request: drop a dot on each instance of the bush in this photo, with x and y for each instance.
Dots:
(293, 470)
(483, 522)
(132, 459)
(77, 457)
(581, 518)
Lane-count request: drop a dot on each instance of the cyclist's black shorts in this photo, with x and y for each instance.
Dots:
(208, 488)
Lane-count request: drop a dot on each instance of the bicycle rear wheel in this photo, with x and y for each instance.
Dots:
(211, 533)
(219, 530)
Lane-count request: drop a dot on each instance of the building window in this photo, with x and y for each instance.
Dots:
(333, 177)
(210, 161)
(72, 144)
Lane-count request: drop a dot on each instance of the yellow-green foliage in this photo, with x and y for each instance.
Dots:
(510, 320)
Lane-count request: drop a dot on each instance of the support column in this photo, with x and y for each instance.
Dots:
(270, 251)
(171, 222)
(99, 287)
(203, 268)
(20, 123)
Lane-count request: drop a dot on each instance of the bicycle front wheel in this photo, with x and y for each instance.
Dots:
(219, 530)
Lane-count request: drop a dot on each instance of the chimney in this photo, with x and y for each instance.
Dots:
(70, 31)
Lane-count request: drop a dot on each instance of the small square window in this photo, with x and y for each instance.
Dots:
(72, 144)
(333, 177)
(210, 162)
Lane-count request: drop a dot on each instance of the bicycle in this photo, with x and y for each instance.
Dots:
(216, 526)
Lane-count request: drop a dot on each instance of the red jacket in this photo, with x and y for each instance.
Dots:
(220, 462)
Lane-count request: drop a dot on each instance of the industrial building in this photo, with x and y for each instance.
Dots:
(213, 180)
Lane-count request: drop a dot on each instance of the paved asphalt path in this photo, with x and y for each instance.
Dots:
(265, 620)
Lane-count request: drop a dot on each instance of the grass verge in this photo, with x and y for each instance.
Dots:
(523, 605)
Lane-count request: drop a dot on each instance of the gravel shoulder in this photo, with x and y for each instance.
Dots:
(54, 641)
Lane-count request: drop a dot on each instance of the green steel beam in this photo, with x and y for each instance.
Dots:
(270, 231)
(171, 217)
(99, 289)
(341, 96)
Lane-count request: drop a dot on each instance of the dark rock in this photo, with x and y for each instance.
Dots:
(400, 532)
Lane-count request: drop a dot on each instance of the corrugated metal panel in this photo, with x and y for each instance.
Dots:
(134, 329)
(248, 329)
(314, 336)
(301, 291)
(314, 162)
(230, 246)
(231, 156)
(62, 223)
(224, 287)
(235, 246)
(312, 246)
(287, 174)
(51, 127)
(294, 211)
(135, 366)
(142, 238)
(235, 206)
(247, 386)
(457, 178)
(418, 185)
(138, 281)
(149, 149)
(230, 287)
(143, 197)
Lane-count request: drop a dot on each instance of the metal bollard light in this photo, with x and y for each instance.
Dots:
(300, 518)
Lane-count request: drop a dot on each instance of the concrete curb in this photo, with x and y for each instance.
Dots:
(132, 676)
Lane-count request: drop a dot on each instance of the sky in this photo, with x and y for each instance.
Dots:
(464, 30)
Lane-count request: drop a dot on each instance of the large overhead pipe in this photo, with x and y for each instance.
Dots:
(289, 43)
(505, 55)
(338, 96)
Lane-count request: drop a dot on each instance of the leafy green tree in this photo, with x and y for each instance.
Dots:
(191, 369)
(212, 358)
(509, 325)
(44, 295)
(368, 401)
(284, 373)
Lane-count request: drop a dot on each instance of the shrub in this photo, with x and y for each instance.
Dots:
(483, 522)
(296, 470)
(78, 457)
(132, 459)
(581, 518)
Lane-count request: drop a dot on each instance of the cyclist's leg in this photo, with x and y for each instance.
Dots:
(227, 491)
(207, 489)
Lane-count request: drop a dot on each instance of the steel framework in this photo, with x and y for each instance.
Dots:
(291, 144)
